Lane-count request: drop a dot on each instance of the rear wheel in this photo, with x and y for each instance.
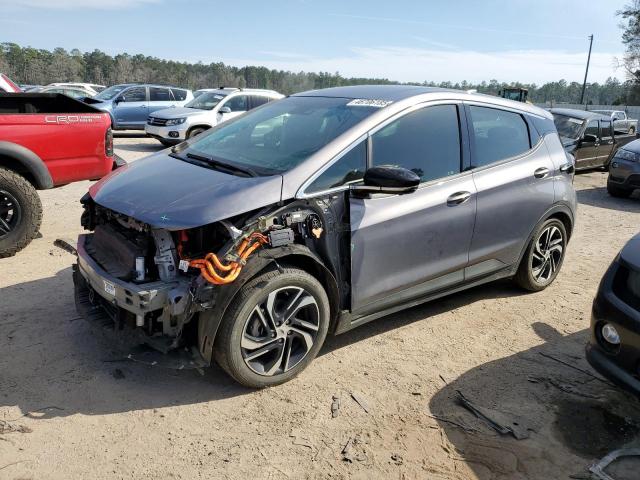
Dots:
(273, 329)
(20, 213)
(544, 256)
(632, 130)
(618, 192)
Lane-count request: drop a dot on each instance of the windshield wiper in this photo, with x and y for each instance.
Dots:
(222, 165)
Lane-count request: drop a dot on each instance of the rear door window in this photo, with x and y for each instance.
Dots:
(159, 94)
(179, 94)
(257, 100)
(605, 129)
(497, 135)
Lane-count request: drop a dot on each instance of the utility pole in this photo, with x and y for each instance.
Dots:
(584, 84)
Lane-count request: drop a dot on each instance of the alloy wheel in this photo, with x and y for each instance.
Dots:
(280, 331)
(10, 213)
(547, 254)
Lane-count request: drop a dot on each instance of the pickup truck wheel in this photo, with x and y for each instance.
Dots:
(273, 328)
(632, 130)
(20, 213)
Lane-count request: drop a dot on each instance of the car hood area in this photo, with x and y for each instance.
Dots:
(166, 192)
(630, 253)
(177, 112)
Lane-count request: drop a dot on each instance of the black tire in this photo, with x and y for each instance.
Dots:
(195, 131)
(20, 210)
(166, 143)
(632, 130)
(228, 351)
(618, 192)
(526, 276)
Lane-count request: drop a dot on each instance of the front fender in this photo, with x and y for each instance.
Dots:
(23, 160)
(210, 320)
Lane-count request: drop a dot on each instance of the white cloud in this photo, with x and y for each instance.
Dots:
(420, 64)
(75, 4)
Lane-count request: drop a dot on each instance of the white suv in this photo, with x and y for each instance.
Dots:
(174, 125)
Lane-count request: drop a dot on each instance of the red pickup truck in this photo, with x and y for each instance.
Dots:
(46, 140)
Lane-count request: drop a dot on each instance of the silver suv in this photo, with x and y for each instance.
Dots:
(318, 213)
(208, 109)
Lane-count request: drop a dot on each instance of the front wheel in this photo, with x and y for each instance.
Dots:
(195, 131)
(20, 213)
(273, 328)
(543, 258)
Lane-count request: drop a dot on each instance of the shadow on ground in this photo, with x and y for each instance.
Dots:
(558, 405)
(129, 134)
(53, 358)
(599, 197)
(140, 147)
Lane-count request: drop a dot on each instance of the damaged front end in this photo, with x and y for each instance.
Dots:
(168, 289)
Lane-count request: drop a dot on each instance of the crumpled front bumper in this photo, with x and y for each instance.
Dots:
(138, 299)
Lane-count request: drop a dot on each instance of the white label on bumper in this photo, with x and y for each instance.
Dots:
(109, 288)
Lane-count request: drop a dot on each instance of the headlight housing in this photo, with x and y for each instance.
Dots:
(623, 154)
(176, 121)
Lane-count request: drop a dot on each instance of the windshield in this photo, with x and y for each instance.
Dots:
(568, 126)
(282, 134)
(205, 101)
(109, 93)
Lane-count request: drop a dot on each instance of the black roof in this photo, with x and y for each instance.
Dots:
(581, 114)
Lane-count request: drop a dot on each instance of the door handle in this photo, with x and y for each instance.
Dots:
(567, 168)
(541, 172)
(458, 198)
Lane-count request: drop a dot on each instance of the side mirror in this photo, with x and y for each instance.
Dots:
(587, 137)
(224, 110)
(119, 99)
(388, 179)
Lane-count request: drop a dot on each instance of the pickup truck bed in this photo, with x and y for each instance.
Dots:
(46, 140)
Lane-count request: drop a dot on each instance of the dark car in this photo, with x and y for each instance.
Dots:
(614, 348)
(624, 172)
(588, 136)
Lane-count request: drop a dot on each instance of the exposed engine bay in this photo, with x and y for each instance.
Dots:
(172, 287)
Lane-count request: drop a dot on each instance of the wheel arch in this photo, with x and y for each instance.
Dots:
(559, 211)
(193, 127)
(296, 256)
(26, 163)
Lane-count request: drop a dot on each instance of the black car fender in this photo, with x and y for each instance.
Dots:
(25, 162)
(289, 255)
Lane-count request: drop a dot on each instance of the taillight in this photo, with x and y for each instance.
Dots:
(108, 143)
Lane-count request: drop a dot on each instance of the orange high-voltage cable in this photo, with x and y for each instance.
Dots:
(211, 263)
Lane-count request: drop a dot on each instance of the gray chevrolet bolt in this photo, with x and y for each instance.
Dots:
(318, 213)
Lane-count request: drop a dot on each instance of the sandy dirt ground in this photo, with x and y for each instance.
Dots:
(78, 412)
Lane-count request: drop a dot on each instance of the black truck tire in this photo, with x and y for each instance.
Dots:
(20, 213)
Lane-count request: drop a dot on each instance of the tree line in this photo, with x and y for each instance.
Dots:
(27, 65)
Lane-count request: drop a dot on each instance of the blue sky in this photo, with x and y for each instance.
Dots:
(406, 40)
